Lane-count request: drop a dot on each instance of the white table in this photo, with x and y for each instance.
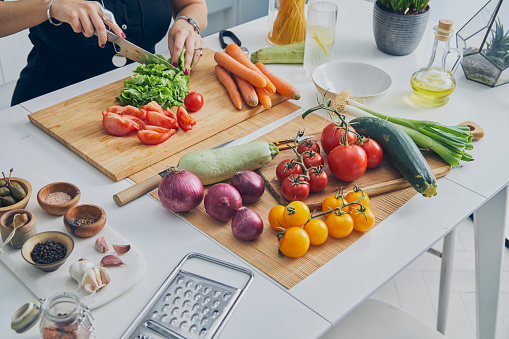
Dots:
(325, 297)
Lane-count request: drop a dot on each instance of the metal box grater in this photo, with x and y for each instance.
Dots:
(189, 305)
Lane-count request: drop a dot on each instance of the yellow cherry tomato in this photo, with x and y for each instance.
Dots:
(353, 196)
(317, 231)
(276, 217)
(294, 243)
(339, 226)
(331, 202)
(363, 222)
(296, 214)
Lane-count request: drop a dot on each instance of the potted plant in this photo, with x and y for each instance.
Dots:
(398, 25)
(485, 45)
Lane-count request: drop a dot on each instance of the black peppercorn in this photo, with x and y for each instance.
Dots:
(48, 252)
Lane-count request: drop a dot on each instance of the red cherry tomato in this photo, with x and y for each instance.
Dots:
(149, 137)
(159, 119)
(287, 167)
(312, 160)
(193, 101)
(295, 189)
(331, 135)
(184, 119)
(308, 145)
(318, 179)
(373, 151)
(347, 162)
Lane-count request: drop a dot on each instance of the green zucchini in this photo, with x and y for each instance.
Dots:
(285, 54)
(401, 150)
(219, 164)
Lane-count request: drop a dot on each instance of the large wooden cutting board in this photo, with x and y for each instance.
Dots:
(77, 124)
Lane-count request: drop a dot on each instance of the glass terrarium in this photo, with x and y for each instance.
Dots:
(485, 44)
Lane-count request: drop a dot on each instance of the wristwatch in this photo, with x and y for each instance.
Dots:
(191, 22)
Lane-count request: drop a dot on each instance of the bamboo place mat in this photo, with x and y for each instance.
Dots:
(263, 252)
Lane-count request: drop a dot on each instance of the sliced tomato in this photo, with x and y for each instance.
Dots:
(115, 109)
(135, 111)
(184, 119)
(157, 129)
(140, 124)
(149, 137)
(117, 125)
(169, 113)
(159, 119)
(153, 106)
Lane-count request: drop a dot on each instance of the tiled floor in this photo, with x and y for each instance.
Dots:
(415, 289)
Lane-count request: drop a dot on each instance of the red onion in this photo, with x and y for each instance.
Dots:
(246, 224)
(249, 184)
(180, 190)
(222, 201)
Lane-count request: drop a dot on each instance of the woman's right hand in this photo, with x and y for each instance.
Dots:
(84, 17)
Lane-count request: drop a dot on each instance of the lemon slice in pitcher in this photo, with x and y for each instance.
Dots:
(323, 36)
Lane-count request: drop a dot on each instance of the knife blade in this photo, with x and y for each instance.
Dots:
(151, 183)
(136, 53)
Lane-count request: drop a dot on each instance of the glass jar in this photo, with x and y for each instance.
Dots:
(286, 22)
(62, 316)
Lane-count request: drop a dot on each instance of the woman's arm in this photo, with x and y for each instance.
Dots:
(182, 33)
(16, 16)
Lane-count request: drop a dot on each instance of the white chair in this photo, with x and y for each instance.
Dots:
(378, 319)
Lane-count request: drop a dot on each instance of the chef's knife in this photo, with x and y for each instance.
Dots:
(151, 183)
(135, 53)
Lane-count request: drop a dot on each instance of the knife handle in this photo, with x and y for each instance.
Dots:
(136, 190)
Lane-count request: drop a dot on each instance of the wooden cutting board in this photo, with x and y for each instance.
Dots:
(383, 179)
(77, 124)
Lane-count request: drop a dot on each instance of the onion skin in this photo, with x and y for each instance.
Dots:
(246, 224)
(222, 201)
(249, 184)
(180, 191)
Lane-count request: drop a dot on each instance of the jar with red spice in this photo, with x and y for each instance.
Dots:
(62, 316)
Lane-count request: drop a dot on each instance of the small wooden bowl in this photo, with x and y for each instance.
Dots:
(58, 209)
(22, 203)
(60, 237)
(85, 212)
(22, 233)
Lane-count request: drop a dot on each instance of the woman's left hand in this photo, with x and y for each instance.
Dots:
(182, 35)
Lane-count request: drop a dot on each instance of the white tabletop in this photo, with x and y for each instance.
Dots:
(325, 297)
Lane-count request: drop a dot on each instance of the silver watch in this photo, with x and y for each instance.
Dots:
(191, 22)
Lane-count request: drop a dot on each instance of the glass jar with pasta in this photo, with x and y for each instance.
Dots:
(286, 22)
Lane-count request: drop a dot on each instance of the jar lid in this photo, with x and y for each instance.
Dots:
(26, 316)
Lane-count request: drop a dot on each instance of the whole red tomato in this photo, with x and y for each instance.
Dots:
(312, 159)
(308, 145)
(193, 101)
(318, 179)
(287, 167)
(373, 151)
(347, 162)
(331, 134)
(295, 189)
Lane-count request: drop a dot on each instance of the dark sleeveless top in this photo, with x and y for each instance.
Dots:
(61, 57)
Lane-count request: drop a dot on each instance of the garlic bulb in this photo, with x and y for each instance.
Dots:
(95, 278)
(78, 269)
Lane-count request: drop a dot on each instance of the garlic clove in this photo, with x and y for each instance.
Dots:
(101, 245)
(121, 249)
(95, 278)
(77, 269)
(111, 260)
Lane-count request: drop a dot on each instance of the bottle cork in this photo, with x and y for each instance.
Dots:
(445, 24)
(444, 30)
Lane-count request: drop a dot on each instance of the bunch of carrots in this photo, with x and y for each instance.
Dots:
(253, 83)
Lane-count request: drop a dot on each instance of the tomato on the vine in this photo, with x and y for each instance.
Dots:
(193, 101)
(355, 195)
(294, 243)
(295, 188)
(318, 179)
(308, 145)
(331, 135)
(373, 151)
(347, 162)
(317, 231)
(276, 217)
(339, 226)
(334, 201)
(296, 214)
(363, 221)
(287, 167)
(312, 159)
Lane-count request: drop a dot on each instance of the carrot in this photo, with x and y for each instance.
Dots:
(235, 52)
(263, 97)
(282, 86)
(240, 70)
(247, 91)
(230, 86)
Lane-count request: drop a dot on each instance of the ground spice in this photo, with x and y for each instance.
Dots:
(70, 332)
(48, 252)
(58, 198)
(84, 221)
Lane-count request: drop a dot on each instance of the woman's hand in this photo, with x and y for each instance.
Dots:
(84, 17)
(181, 35)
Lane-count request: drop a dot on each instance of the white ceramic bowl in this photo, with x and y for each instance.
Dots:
(366, 82)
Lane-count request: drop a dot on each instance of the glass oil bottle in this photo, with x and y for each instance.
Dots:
(432, 85)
